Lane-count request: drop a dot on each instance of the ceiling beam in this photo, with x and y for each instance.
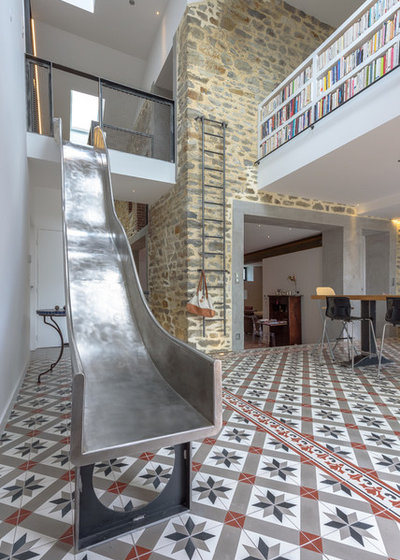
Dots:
(284, 249)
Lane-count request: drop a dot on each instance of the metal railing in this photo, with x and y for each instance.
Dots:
(135, 121)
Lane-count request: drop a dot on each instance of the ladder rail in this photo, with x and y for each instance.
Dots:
(220, 152)
(202, 207)
(224, 221)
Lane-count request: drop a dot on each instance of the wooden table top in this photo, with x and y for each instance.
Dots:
(364, 297)
(272, 323)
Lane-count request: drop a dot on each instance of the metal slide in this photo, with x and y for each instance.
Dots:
(135, 387)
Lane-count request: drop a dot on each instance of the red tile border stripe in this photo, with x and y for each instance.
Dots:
(376, 492)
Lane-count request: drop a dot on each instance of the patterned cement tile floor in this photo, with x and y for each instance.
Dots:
(306, 467)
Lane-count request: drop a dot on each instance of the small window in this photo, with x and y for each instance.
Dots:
(87, 5)
(84, 110)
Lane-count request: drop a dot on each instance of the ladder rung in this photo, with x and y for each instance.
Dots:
(212, 134)
(214, 169)
(215, 203)
(221, 123)
(212, 320)
(213, 152)
(213, 237)
(213, 186)
(212, 270)
(211, 253)
(213, 220)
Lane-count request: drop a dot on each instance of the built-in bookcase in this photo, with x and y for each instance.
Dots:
(361, 51)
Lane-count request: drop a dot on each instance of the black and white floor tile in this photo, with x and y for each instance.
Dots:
(306, 467)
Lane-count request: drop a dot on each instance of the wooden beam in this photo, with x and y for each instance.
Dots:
(284, 249)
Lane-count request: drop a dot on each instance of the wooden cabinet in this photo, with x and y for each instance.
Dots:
(286, 308)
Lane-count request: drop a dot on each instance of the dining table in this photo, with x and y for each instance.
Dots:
(369, 354)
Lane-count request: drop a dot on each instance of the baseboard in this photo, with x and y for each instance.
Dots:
(13, 398)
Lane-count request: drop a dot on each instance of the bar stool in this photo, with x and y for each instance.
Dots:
(392, 318)
(339, 309)
(324, 291)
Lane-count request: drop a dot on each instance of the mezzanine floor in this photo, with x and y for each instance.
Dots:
(306, 467)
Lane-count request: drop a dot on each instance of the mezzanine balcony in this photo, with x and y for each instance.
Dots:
(329, 131)
(139, 128)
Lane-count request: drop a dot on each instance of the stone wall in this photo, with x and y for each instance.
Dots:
(132, 215)
(230, 55)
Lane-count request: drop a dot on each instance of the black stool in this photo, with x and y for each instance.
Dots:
(339, 309)
(392, 317)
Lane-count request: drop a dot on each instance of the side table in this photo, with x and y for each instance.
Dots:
(51, 314)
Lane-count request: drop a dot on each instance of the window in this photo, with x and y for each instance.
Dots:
(84, 110)
(87, 5)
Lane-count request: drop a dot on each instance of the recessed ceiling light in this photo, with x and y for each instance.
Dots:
(157, 13)
(133, 190)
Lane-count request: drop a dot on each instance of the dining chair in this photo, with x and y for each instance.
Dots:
(338, 308)
(392, 318)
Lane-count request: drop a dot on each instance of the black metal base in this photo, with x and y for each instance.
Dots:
(59, 331)
(362, 361)
(96, 523)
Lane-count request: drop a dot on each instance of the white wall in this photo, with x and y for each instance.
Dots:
(307, 267)
(14, 218)
(47, 272)
(70, 50)
(164, 40)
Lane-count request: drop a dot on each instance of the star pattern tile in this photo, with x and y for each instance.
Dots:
(260, 488)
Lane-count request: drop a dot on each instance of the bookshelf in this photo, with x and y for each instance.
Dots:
(363, 50)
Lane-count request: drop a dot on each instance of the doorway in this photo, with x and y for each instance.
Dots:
(50, 285)
(342, 249)
(283, 266)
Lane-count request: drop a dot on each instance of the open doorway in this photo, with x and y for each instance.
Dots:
(282, 268)
(342, 252)
(376, 270)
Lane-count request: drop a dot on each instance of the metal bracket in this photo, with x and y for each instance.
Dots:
(96, 523)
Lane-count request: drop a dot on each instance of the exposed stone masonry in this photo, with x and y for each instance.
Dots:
(230, 55)
(133, 216)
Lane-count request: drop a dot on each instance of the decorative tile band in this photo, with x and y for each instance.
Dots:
(378, 493)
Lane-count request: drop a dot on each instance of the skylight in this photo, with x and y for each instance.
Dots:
(87, 5)
(84, 110)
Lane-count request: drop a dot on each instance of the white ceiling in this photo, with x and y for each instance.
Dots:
(364, 172)
(262, 236)
(114, 23)
(131, 29)
(333, 12)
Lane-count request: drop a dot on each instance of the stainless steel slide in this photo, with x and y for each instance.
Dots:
(135, 387)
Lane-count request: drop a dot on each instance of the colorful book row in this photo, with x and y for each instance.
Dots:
(358, 28)
(286, 92)
(369, 74)
(288, 111)
(286, 133)
(346, 64)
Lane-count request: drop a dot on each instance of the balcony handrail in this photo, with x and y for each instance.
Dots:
(317, 73)
(105, 82)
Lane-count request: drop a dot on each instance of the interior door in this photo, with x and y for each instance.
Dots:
(50, 284)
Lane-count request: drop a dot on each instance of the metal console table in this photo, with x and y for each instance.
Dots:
(51, 314)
